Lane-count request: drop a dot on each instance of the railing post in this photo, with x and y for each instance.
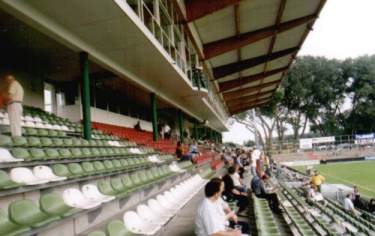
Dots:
(154, 117)
(85, 78)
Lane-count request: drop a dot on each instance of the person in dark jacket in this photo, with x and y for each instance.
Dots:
(262, 188)
(231, 193)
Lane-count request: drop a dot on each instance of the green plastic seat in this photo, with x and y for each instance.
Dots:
(88, 167)
(99, 167)
(52, 204)
(52, 133)
(58, 142)
(95, 152)
(85, 143)
(34, 217)
(103, 152)
(105, 187)
(77, 142)
(135, 179)
(131, 162)
(118, 186)
(8, 228)
(93, 143)
(110, 152)
(108, 165)
(76, 152)
(37, 154)
(31, 131)
(52, 153)
(116, 152)
(21, 153)
(68, 142)
(86, 152)
(33, 142)
(117, 164)
(76, 169)
(65, 153)
(6, 182)
(5, 141)
(97, 233)
(117, 228)
(42, 132)
(19, 141)
(124, 163)
(46, 142)
(61, 133)
(127, 181)
(61, 170)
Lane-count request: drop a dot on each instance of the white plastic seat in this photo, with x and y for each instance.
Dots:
(91, 192)
(37, 119)
(6, 156)
(175, 168)
(2, 114)
(154, 158)
(40, 125)
(136, 224)
(74, 198)
(6, 121)
(166, 204)
(155, 206)
(48, 126)
(150, 216)
(45, 172)
(135, 151)
(28, 118)
(65, 128)
(30, 124)
(56, 127)
(25, 176)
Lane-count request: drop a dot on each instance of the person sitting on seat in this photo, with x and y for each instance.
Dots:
(262, 187)
(371, 206)
(193, 151)
(357, 199)
(211, 219)
(314, 196)
(180, 152)
(317, 180)
(237, 181)
(138, 126)
(231, 193)
(349, 206)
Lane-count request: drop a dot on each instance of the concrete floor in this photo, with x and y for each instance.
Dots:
(183, 223)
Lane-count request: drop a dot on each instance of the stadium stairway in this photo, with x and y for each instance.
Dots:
(70, 185)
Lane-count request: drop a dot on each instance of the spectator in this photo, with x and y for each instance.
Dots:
(180, 152)
(348, 205)
(210, 219)
(357, 198)
(264, 188)
(237, 181)
(231, 193)
(317, 180)
(165, 131)
(260, 163)
(230, 215)
(314, 196)
(138, 126)
(254, 159)
(12, 95)
(371, 205)
(267, 165)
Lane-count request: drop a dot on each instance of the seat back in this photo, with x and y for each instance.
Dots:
(132, 221)
(155, 206)
(117, 228)
(21, 175)
(73, 197)
(43, 172)
(53, 204)
(145, 212)
(17, 211)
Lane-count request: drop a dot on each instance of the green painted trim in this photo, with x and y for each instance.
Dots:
(154, 117)
(86, 110)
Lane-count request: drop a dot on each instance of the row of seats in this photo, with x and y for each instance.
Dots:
(40, 174)
(35, 154)
(264, 219)
(148, 218)
(54, 206)
(8, 141)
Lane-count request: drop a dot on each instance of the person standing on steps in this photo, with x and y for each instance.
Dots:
(12, 94)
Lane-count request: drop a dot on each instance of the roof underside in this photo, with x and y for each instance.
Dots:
(249, 45)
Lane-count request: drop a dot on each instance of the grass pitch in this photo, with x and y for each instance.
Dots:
(361, 174)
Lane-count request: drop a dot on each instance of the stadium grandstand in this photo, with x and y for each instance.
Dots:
(112, 113)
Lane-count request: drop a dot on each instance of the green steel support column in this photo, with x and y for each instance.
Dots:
(154, 117)
(85, 71)
(195, 130)
(181, 125)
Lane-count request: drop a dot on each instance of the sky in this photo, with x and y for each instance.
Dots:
(345, 28)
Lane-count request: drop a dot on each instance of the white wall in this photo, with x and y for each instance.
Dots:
(73, 113)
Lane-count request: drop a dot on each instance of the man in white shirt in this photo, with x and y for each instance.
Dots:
(348, 205)
(13, 98)
(254, 158)
(211, 219)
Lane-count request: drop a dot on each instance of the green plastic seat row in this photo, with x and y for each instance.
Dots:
(6, 182)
